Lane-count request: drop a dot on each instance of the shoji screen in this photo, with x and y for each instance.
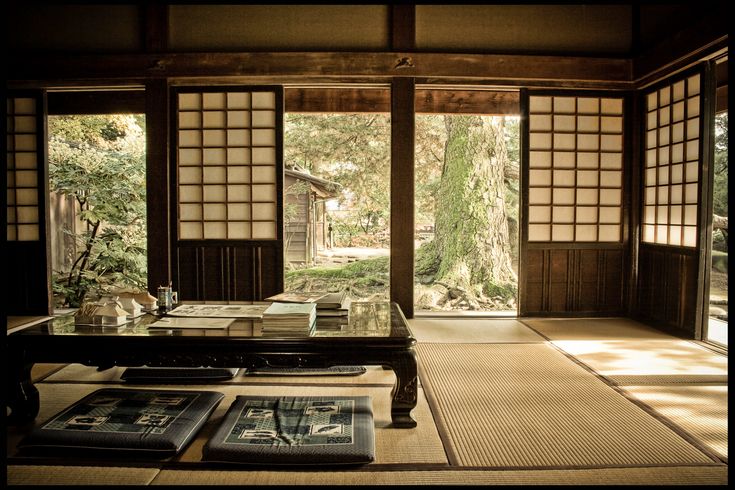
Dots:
(229, 173)
(227, 165)
(672, 163)
(23, 166)
(574, 250)
(673, 115)
(26, 259)
(576, 169)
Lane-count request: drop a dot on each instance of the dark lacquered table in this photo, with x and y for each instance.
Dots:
(379, 337)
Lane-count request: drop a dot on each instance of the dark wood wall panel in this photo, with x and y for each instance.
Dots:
(568, 282)
(27, 292)
(667, 287)
(217, 273)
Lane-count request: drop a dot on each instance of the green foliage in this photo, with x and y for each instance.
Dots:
(352, 150)
(100, 162)
(427, 260)
(720, 167)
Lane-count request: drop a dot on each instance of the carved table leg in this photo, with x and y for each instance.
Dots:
(23, 399)
(405, 391)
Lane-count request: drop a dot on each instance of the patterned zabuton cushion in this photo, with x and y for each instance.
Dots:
(152, 421)
(295, 430)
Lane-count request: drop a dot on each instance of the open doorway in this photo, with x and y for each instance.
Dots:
(467, 203)
(717, 307)
(337, 203)
(97, 186)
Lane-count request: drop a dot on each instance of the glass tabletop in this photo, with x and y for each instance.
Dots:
(365, 319)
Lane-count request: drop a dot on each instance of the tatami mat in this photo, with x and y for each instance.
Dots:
(594, 329)
(477, 330)
(78, 373)
(699, 410)
(42, 475)
(421, 444)
(691, 475)
(625, 351)
(512, 405)
(43, 371)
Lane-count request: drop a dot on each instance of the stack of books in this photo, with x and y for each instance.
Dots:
(289, 319)
(333, 305)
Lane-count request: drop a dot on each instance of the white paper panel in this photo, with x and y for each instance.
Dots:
(588, 124)
(238, 137)
(564, 105)
(539, 104)
(587, 196)
(213, 119)
(539, 195)
(564, 159)
(25, 160)
(586, 214)
(263, 119)
(238, 156)
(539, 177)
(589, 159)
(586, 233)
(264, 100)
(539, 159)
(27, 233)
(264, 231)
(563, 214)
(239, 212)
(238, 119)
(215, 212)
(562, 233)
(539, 214)
(539, 233)
(609, 233)
(214, 156)
(190, 231)
(690, 236)
(215, 230)
(238, 231)
(214, 100)
(214, 175)
(26, 197)
(539, 122)
(238, 193)
(238, 174)
(611, 106)
(588, 105)
(238, 100)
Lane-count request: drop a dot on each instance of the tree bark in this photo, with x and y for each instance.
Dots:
(472, 237)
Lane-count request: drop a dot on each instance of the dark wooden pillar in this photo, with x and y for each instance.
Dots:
(157, 177)
(403, 94)
(402, 194)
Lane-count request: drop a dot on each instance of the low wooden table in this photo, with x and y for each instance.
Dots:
(379, 338)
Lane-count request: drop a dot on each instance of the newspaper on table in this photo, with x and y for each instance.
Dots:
(219, 311)
(183, 322)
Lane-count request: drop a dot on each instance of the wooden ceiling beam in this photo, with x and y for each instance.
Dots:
(428, 101)
(299, 66)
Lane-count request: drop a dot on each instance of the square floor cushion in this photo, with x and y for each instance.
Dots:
(309, 430)
(127, 421)
(166, 375)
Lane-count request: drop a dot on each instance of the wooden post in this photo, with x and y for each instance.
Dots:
(402, 193)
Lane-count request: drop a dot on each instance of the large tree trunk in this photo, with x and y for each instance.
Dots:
(471, 225)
